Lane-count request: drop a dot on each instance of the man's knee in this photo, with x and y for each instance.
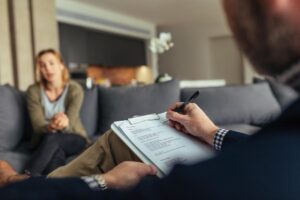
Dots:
(119, 150)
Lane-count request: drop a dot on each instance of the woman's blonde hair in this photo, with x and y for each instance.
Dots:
(39, 77)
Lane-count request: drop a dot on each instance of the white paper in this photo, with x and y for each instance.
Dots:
(160, 144)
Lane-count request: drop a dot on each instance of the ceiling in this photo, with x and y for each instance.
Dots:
(165, 12)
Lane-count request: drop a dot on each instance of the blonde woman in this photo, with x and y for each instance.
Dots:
(54, 103)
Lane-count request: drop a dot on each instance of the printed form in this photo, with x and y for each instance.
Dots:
(160, 144)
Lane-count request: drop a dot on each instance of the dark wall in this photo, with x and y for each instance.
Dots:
(82, 45)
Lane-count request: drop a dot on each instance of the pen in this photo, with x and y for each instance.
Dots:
(180, 109)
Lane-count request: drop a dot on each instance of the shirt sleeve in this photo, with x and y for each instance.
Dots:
(74, 102)
(36, 113)
(224, 138)
(219, 137)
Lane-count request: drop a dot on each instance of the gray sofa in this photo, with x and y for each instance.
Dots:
(243, 108)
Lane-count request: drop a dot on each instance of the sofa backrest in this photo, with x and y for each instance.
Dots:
(12, 117)
(285, 95)
(249, 104)
(120, 103)
(89, 111)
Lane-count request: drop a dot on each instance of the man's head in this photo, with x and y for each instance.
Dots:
(268, 31)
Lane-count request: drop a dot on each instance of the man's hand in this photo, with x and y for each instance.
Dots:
(194, 122)
(58, 122)
(127, 174)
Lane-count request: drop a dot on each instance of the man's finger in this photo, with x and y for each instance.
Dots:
(145, 169)
(153, 170)
(171, 123)
(178, 127)
(175, 105)
(176, 116)
(190, 107)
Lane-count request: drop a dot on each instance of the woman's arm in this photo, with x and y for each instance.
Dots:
(36, 113)
(73, 105)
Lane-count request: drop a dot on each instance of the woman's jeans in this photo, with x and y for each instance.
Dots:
(53, 151)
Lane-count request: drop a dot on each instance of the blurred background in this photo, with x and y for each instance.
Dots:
(108, 42)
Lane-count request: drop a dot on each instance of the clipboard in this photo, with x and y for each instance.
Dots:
(141, 124)
(127, 141)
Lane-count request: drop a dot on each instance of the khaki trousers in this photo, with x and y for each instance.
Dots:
(107, 152)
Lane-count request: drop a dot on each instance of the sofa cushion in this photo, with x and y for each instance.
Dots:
(11, 118)
(89, 111)
(119, 103)
(248, 104)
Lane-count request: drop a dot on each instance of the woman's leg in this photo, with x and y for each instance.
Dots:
(107, 152)
(43, 154)
(65, 144)
(68, 145)
(53, 151)
(72, 144)
(58, 159)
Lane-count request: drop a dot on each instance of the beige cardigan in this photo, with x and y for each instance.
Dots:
(73, 102)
